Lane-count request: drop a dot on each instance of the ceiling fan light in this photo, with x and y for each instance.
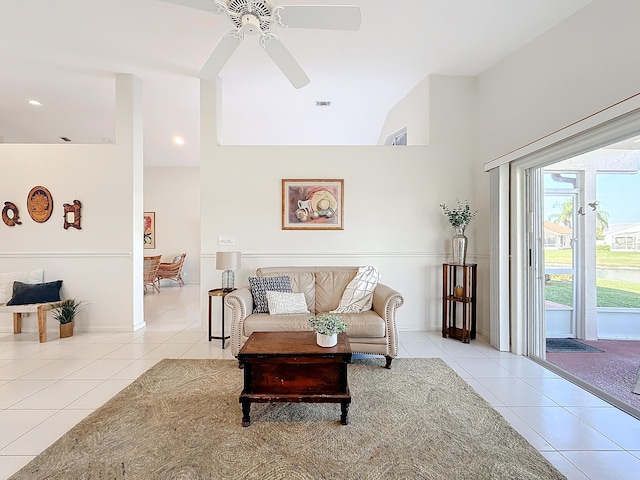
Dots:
(250, 24)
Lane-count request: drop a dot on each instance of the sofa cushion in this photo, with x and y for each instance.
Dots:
(301, 281)
(263, 322)
(286, 303)
(259, 287)
(330, 287)
(25, 293)
(364, 324)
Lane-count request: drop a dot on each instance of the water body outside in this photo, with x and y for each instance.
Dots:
(625, 274)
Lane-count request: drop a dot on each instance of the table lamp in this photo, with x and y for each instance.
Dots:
(228, 261)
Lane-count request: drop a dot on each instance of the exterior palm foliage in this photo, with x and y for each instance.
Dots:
(565, 217)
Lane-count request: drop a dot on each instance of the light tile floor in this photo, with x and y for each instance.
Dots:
(47, 388)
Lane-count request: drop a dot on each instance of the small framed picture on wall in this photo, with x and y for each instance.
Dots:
(149, 229)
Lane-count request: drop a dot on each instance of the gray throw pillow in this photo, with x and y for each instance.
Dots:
(27, 293)
(260, 286)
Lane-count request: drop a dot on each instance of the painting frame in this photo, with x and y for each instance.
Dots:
(312, 204)
(149, 229)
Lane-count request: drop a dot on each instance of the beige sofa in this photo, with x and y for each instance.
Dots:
(371, 332)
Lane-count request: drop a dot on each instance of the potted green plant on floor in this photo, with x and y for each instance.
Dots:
(65, 315)
(327, 327)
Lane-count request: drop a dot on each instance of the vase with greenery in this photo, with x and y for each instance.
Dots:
(65, 314)
(459, 218)
(327, 327)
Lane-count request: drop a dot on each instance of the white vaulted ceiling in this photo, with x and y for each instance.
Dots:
(65, 53)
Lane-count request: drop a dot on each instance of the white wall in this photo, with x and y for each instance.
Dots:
(95, 263)
(391, 196)
(584, 64)
(173, 193)
(411, 112)
(578, 68)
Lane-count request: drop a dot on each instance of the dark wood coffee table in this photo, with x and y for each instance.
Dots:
(291, 367)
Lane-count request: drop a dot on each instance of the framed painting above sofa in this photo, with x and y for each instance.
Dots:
(312, 204)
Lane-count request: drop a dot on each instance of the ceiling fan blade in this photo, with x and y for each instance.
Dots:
(331, 17)
(206, 5)
(284, 60)
(220, 55)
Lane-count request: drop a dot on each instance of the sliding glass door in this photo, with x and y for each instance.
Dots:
(583, 275)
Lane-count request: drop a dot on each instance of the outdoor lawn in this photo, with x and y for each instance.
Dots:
(611, 293)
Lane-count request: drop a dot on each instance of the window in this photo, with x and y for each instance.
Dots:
(397, 138)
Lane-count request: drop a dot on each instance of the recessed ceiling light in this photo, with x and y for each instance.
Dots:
(34, 102)
(178, 140)
(323, 103)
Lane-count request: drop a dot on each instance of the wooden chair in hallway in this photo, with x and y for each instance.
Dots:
(172, 270)
(150, 272)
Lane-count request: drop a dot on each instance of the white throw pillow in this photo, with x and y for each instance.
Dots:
(358, 295)
(7, 279)
(286, 303)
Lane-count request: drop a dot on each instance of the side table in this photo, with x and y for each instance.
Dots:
(218, 292)
(459, 289)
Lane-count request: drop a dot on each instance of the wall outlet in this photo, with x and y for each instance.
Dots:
(226, 240)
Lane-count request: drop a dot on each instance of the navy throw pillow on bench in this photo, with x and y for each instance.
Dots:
(27, 293)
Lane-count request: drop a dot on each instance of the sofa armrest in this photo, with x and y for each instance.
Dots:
(241, 304)
(385, 303)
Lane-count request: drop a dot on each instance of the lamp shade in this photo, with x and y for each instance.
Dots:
(228, 260)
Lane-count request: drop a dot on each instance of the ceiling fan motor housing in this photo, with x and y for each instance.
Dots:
(248, 13)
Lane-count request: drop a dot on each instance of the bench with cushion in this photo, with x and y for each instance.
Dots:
(24, 292)
(372, 331)
(40, 308)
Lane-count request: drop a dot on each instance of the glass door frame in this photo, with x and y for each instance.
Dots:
(577, 245)
(535, 264)
(536, 193)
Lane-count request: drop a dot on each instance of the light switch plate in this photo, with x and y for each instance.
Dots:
(226, 240)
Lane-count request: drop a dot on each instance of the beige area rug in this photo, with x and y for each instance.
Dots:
(182, 420)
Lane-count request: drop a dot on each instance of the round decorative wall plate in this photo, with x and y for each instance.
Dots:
(39, 204)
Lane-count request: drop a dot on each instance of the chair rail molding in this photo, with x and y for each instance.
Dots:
(436, 255)
(65, 254)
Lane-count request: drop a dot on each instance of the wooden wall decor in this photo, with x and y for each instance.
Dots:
(72, 215)
(39, 204)
(10, 215)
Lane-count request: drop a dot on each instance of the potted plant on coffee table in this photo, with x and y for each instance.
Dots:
(65, 315)
(327, 327)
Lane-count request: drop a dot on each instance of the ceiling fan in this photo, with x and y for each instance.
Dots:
(255, 17)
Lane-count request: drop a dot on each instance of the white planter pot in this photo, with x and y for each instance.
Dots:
(327, 340)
